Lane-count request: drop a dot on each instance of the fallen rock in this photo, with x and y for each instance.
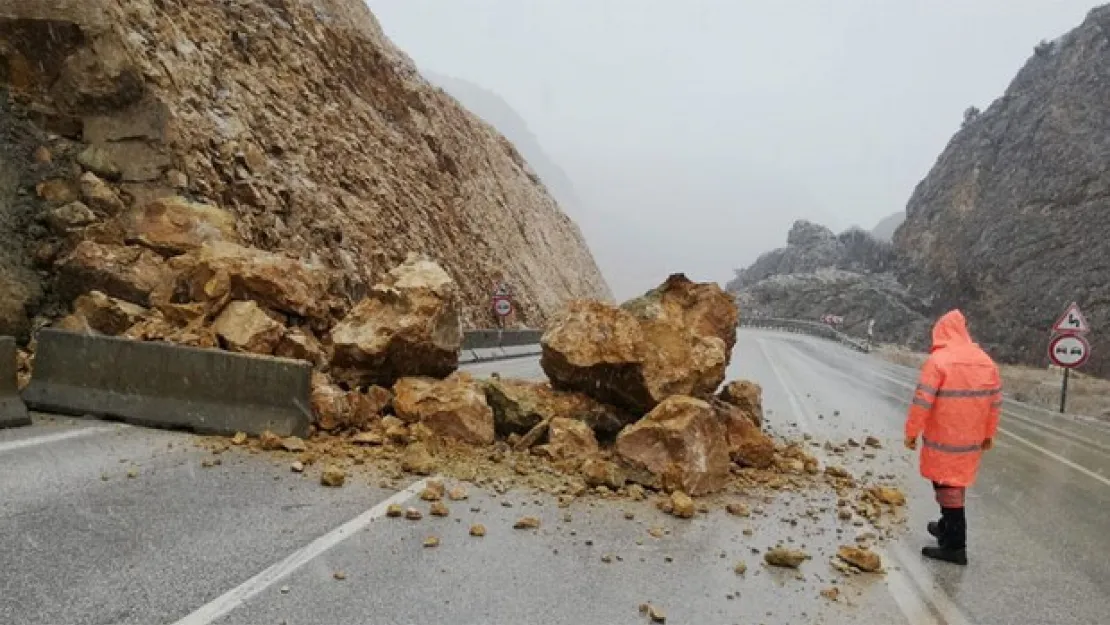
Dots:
(611, 355)
(434, 490)
(527, 523)
(570, 438)
(598, 472)
(680, 445)
(413, 514)
(863, 559)
(300, 344)
(297, 466)
(330, 403)
(333, 476)
(408, 325)
(888, 495)
(431, 541)
(747, 444)
(127, 273)
(682, 506)
(107, 315)
(873, 442)
(418, 460)
(368, 438)
(293, 444)
(518, 406)
(783, 557)
(245, 327)
(747, 396)
(738, 509)
(653, 613)
(703, 307)
(219, 271)
(174, 225)
(239, 438)
(740, 568)
(478, 530)
(394, 510)
(269, 441)
(455, 407)
(831, 593)
(457, 493)
(438, 508)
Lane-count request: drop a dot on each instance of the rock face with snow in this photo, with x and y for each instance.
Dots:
(1009, 223)
(136, 131)
(821, 273)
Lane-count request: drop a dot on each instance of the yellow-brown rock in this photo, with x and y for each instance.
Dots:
(747, 444)
(245, 327)
(107, 315)
(408, 325)
(702, 307)
(569, 438)
(174, 225)
(300, 344)
(635, 356)
(453, 408)
(520, 405)
(126, 273)
(747, 396)
(679, 445)
(219, 271)
(330, 403)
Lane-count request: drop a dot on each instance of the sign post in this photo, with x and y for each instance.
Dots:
(502, 304)
(1069, 348)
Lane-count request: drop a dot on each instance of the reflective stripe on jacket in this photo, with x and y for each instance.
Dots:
(956, 405)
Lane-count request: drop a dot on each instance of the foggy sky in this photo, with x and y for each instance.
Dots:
(696, 131)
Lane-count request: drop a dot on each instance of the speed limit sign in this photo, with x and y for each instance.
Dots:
(502, 306)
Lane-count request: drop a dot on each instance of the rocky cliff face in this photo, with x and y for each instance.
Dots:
(819, 273)
(1010, 224)
(292, 126)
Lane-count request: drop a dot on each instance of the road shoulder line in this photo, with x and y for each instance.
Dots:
(225, 603)
(9, 446)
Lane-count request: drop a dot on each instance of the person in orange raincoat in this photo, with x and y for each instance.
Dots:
(955, 412)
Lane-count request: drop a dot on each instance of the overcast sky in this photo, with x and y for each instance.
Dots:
(696, 131)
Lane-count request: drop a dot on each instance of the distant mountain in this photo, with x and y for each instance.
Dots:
(497, 113)
(884, 230)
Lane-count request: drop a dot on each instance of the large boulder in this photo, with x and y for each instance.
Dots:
(408, 325)
(568, 439)
(127, 273)
(702, 307)
(453, 408)
(518, 406)
(679, 445)
(633, 363)
(220, 271)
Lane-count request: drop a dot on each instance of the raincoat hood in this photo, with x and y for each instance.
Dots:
(950, 329)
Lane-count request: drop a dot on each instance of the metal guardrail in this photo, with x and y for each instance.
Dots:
(802, 326)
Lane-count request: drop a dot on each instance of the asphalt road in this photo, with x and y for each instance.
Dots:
(249, 542)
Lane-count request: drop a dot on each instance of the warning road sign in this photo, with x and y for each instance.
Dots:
(1072, 321)
(1069, 351)
(502, 306)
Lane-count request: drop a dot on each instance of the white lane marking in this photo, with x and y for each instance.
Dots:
(225, 603)
(947, 609)
(1057, 457)
(912, 592)
(52, 438)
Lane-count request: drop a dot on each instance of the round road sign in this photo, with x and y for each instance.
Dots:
(502, 306)
(1069, 351)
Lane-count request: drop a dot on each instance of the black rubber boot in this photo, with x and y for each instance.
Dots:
(945, 554)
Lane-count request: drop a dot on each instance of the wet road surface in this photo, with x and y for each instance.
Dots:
(247, 541)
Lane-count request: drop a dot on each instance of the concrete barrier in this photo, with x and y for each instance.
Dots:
(13, 412)
(156, 384)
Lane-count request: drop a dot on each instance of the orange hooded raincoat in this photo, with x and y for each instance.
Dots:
(956, 405)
